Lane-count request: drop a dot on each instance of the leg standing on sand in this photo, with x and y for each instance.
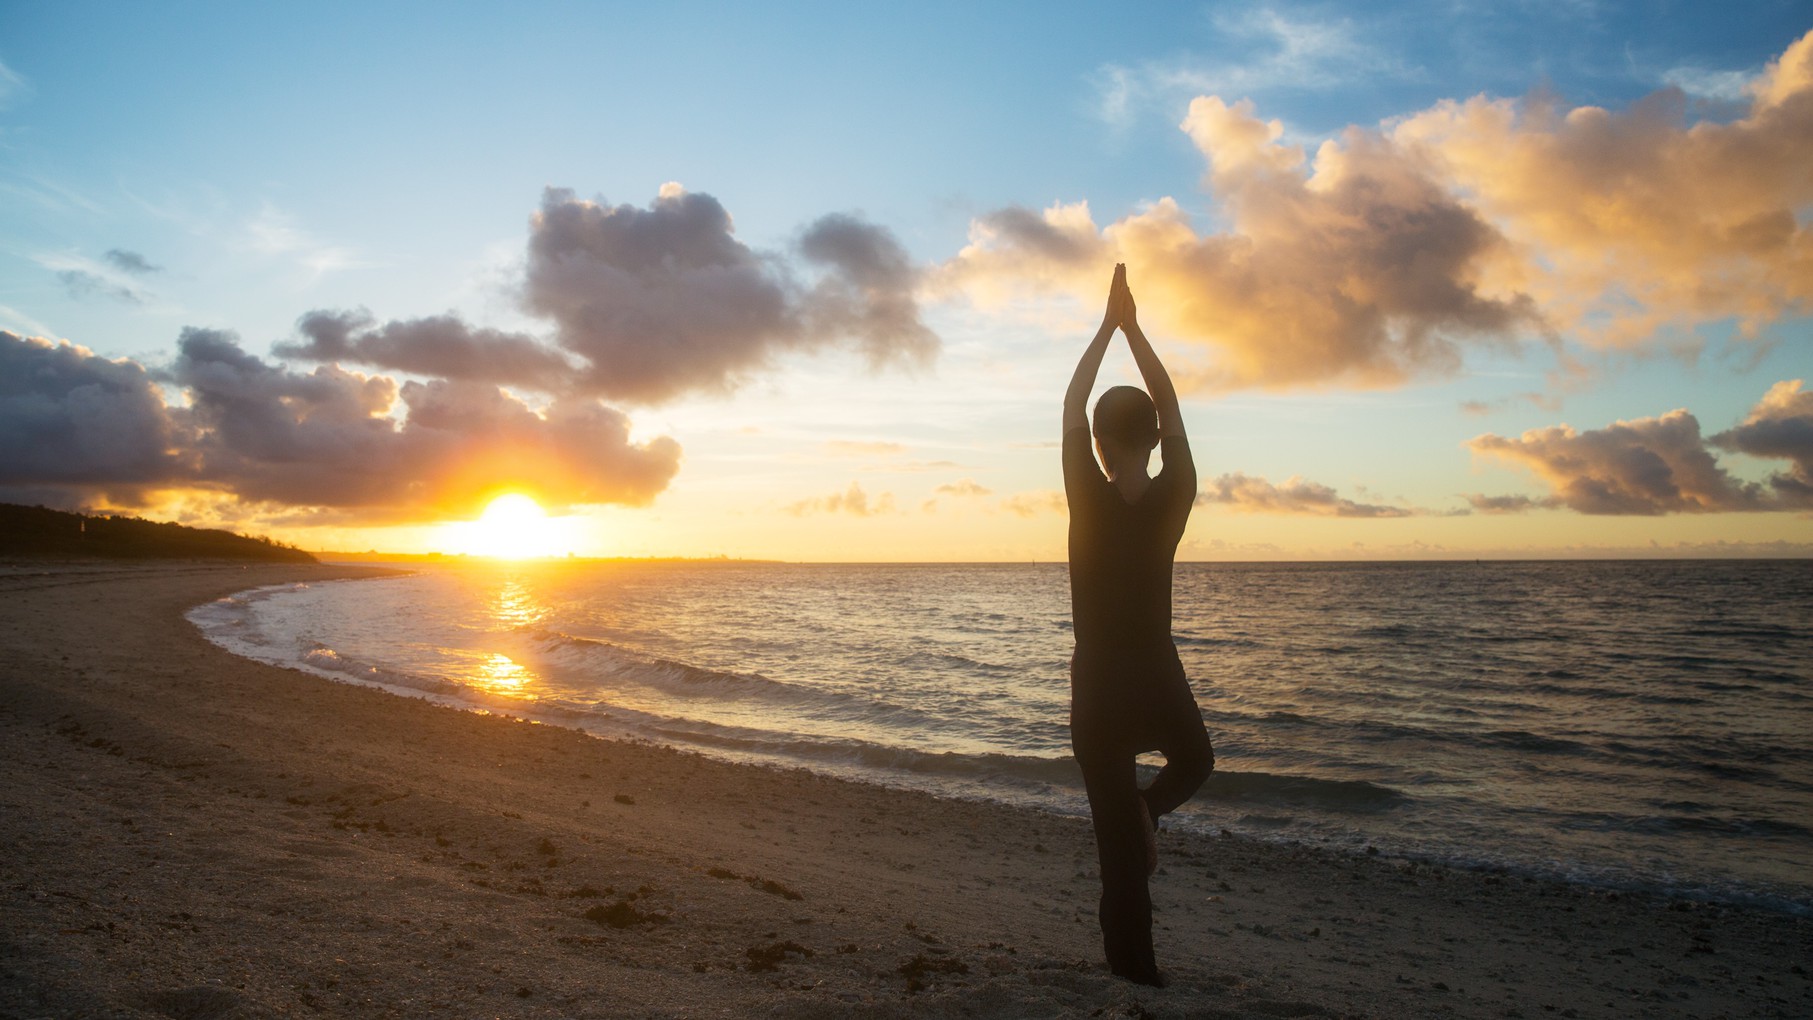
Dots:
(1128, 689)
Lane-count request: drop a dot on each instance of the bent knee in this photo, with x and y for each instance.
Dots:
(1197, 756)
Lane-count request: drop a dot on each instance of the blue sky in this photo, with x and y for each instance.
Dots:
(265, 163)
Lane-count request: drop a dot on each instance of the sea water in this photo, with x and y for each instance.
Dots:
(1630, 724)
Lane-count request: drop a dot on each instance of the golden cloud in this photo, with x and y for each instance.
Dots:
(1628, 222)
(1486, 221)
(853, 501)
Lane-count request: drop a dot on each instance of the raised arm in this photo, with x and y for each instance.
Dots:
(1076, 398)
(1151, 370)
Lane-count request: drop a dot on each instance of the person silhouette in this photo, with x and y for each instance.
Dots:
(1128, 692)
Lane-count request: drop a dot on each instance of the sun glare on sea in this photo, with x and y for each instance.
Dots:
(513, 527)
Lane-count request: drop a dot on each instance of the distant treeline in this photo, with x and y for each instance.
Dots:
(38, 533)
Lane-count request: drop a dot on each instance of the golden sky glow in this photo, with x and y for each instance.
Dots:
(1433, 280)
(512, 527)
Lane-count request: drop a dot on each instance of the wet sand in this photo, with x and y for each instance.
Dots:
(189, 834)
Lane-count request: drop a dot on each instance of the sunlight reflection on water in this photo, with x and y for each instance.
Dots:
(1618, 719)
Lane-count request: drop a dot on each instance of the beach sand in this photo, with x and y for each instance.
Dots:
(188, 834)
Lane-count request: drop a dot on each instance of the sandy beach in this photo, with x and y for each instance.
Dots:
(189, 834)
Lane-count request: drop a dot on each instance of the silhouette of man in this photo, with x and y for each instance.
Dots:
(1128, 693)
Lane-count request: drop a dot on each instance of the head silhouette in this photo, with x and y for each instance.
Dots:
(1125, 417)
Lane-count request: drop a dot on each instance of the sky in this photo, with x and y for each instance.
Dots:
(807, 281)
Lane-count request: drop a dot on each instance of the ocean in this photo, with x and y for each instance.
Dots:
(1641, 725)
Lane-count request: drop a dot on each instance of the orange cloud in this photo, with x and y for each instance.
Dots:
(853, 501)
(1393, 249)
(1363, 272)
(77, 429)
(966, 487)
(1627, 222)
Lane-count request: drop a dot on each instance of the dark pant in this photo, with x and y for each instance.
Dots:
(1150, 708)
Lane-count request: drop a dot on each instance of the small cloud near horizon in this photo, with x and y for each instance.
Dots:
(1295, 496)
(1032, 504)
(966, 488)
(859, 448)
(1663, 465)
(853, 501)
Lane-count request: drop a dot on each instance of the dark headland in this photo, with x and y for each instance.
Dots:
(35, 532)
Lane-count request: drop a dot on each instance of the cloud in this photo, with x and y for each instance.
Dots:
(866, 291)
(1779, 426)
(1647, 466)
(81, 425)
(1032, 504)
(84, 278)
(1115, 88)
(967, 488)
(665, 300)
(82, 285)
(50, 194)
(1724, 86)
(1545, 401)
(275, 232)
(327, 438)
(1049, 245)
(1389, 251)
(1510, 504)
(70, 418)
(853, 501)
(23, 323)
(1364, 271)
(130, 262)
(443, 346)
(1276, 50)
(1295, 496)
(13, 87)
(854, 448)
(649, 304)
(646, 304)
(1628, 223)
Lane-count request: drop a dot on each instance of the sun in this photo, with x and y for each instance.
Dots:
(513, 527)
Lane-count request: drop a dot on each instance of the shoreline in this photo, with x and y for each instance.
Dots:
(1245, 802)
(197, 834)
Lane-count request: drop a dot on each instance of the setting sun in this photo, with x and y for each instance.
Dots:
(513, 527)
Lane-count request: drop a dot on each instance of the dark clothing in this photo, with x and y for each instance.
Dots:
(1128, 692)
(1121, 553)
(1125, 909)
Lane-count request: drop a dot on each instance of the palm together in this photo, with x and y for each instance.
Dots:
(1122, 313)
